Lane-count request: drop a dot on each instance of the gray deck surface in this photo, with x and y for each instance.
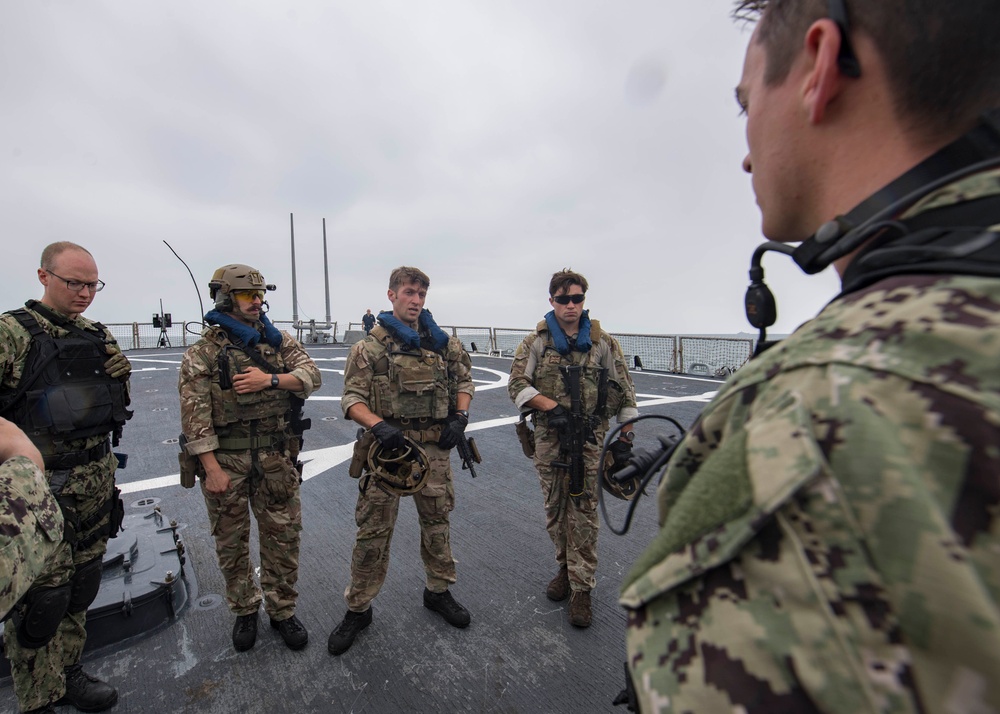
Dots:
(520, 654)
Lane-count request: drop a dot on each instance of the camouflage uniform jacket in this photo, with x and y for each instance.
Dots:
(830, 527)
(535, 370)
(391, 385)
(31, 528)
(206, 408)
(15, 342)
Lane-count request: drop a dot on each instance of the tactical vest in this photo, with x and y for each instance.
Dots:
(64, 392)
(239, 410)
(548, 380)
(406, 382)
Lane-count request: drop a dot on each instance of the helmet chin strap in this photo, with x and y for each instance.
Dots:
(976, 150)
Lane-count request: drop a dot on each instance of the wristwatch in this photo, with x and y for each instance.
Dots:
(627, 436)
(274, 381)
(463, 412)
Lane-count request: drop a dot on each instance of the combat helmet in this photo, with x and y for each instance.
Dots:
(401, 471)
(232, 278)
(625, 490)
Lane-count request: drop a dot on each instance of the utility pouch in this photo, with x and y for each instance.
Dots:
(361, 448)
(526, 436)
(189, 464)
(117, 514)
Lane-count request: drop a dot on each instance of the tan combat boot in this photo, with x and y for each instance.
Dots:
(579, 608)
(558, 589)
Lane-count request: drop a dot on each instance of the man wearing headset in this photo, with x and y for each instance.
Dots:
(829, 527)
(237, 388)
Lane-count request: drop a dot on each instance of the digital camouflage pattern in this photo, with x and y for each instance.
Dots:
(366, 382)
(31, 529)
(272, 491)
(829, 528)
(37, 674)
(572, 524)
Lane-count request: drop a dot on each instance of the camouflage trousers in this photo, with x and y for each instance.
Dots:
(273, 496)
(37, 674)
(375, 516)
(572, 523)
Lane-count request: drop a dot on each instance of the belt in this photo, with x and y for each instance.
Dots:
(243, 443)
(72, 459)
(420, 429)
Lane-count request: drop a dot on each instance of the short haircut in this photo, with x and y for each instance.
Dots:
(941, 57)
(406, 274)
(563, 279)
(53, 250)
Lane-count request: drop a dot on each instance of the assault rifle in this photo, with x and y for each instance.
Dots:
(469, 453)
(579, 432)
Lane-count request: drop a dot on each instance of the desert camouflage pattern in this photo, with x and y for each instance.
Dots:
(37, 674)
(572, 524)
(829, 533)
(31, 529)
(271, 490)
(376, 510)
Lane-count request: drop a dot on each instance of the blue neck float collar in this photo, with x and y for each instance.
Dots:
(435, 337)
(245, 335)
(582, 342)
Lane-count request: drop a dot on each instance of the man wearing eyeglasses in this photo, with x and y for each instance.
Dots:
(830, 527)
(65, 383)
(241, 387)
(568, 337)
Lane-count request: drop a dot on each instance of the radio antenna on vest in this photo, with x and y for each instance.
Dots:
(201, 306)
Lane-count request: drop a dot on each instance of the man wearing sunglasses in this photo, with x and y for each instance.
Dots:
(567, 337)
(64, 381)
(830, 527)
(241, 387)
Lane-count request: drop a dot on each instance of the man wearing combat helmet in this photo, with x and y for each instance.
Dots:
(830, 526)
(64, 381)
(409, 385)
(241, 387)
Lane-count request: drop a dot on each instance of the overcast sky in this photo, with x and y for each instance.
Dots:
(489, 143)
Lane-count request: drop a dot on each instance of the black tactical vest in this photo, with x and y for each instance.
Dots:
(64, 392)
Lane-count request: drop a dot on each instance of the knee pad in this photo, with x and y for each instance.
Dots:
(43, 610)
(85, 584)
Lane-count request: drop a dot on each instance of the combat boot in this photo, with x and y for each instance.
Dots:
(343, 637)
(245, 632)
(558, 589)
(47, 709)
(292, 632)
(447, 607)
(85, 692)
(579, 608)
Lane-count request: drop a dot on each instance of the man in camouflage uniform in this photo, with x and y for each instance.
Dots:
(64, 381)
(829, 527)
(238, 389)
(568, 337)
(406, 380)
(31, 524)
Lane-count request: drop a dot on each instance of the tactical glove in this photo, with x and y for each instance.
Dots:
(621, 451)
(118, 367)
(557, 419)
(454, 429)
(388, 436)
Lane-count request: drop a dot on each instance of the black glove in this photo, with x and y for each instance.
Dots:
(641, 460)
(621, 451)
(388, 436)
(557, 419)
(453, 430)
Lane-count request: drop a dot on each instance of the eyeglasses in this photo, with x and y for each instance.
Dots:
(847, 61)
(76, 285)
(567, 299)
(250, 294)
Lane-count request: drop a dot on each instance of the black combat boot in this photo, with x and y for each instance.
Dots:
(342, 638)
(85, 692)
(446, 606)
(245, 632)
(47, 709)
(292, 632)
